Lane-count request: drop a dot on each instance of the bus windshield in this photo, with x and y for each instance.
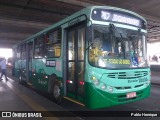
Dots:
(117, 48)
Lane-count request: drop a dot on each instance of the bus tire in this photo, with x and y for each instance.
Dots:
(20, 80)
(55, 91)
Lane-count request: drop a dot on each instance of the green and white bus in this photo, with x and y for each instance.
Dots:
(96, 57)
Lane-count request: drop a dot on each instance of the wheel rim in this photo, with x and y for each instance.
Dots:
(56, 91)
(20, 79)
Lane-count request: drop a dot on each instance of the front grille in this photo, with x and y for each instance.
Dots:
(123, 88)
(139, 85)
(127, 75)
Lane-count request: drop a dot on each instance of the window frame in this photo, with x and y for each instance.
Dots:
(39, 46)
(58, 42)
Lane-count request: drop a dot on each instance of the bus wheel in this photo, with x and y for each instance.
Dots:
(56, 92)
(20, 79)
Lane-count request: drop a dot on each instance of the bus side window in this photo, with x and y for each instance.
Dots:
(53, 44)
(57, 50)
(39, 47)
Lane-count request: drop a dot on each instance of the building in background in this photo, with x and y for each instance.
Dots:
(154, 53)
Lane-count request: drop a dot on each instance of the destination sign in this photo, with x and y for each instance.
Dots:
(118, 16)
(117, 61)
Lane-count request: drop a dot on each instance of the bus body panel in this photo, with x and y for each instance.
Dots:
(42, 73)
(100, 99)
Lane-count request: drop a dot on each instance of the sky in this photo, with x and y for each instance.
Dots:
(5, 53)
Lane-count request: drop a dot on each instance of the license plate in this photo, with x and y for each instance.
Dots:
(131, 95)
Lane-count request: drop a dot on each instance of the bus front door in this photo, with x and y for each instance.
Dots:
(75, 63)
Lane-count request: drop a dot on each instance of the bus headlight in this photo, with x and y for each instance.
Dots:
(103, 87)
(96, 82)
(110, 89)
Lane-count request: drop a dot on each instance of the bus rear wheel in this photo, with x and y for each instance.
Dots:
(56, 92)
(21, 81)
(20, 78)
